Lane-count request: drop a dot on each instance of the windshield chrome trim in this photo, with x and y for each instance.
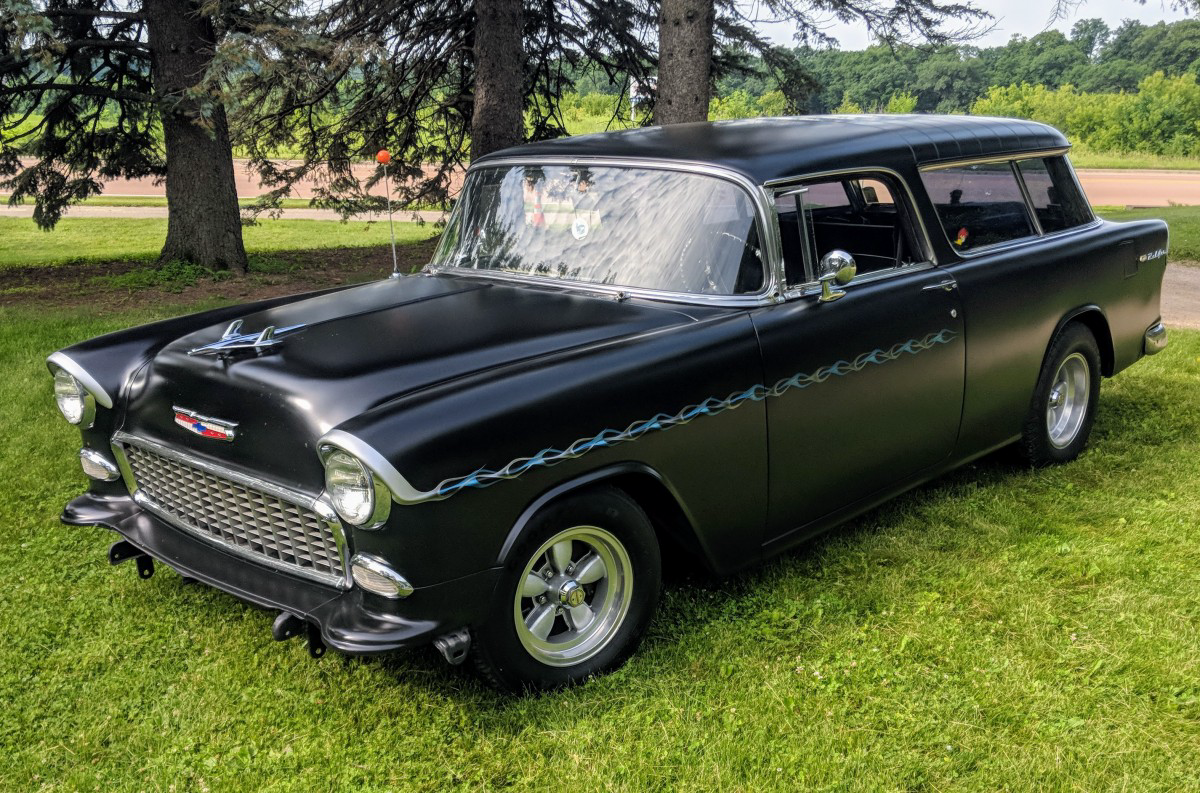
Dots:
(768, 235)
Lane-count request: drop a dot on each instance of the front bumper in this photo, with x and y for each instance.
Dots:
(350, 621)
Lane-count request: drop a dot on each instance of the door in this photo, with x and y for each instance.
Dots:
(866, 390)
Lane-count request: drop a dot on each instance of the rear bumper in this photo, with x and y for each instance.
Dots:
(1155, 339)
(350, 621)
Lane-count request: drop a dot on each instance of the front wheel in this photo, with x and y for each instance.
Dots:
(1063, 407)
(577, 594)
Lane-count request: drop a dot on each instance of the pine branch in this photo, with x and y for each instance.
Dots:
(79, 90)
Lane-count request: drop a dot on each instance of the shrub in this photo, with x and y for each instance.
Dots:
(1163, 117)
(901, 103)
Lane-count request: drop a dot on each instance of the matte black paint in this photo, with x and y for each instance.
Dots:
(767, 149)
(444, 375)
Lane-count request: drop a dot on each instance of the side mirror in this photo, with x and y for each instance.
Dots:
(836, 267)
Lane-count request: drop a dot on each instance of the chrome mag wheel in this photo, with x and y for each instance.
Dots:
(1067, 405)
(573, 596)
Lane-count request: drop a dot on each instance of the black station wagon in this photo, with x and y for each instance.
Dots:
(718, 339)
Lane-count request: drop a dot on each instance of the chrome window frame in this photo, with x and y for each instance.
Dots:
(767, 234)
(777, 188)
(315, 503)
(1012, 160)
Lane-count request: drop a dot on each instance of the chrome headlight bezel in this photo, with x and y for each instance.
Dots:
(76, 404)
(348, 478)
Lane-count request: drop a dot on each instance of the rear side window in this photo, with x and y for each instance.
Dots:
(979, 205)
(1054, 193)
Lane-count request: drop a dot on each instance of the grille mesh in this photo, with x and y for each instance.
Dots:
(249, 521)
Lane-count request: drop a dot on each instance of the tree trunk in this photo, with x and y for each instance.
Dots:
(203, 221)
(685, 45)
(498, 117)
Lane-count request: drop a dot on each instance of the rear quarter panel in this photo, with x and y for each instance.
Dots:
(1015, 300)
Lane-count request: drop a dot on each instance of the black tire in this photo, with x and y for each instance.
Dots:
(1072, 361)
(604, 523)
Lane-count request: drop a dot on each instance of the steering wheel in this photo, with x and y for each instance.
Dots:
(711, 240)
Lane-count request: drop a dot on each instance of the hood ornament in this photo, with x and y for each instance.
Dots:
(233, 339)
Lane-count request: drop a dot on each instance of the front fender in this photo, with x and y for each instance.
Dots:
(467, 460)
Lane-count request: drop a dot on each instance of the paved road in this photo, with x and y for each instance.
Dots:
(1181, 297)
(1103, 187)
(1141, 188)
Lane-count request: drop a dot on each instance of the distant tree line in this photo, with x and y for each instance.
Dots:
(1092, 58)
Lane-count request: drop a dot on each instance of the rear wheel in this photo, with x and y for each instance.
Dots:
(1063, 407)
(577, 595)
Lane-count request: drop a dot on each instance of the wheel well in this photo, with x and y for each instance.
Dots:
(670, 522)
(1094, 321)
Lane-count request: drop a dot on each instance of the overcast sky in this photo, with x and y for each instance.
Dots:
(1026, 17)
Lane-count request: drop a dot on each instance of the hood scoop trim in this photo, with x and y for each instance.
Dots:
(233, 340)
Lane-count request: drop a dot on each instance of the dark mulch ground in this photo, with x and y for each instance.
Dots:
(108, 286)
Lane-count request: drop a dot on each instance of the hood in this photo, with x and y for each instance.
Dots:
(356, 349)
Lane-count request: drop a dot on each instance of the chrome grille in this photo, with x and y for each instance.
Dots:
(250, 521)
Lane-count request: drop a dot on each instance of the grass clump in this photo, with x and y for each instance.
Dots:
(172, 276)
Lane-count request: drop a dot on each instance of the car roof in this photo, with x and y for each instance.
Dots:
(766, 149)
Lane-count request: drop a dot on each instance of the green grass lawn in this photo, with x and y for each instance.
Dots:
(1183, 222)
(999, 629)
(106, 239)
(161, 201)
(1083, 157)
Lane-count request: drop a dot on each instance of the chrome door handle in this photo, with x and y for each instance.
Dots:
(946, 285)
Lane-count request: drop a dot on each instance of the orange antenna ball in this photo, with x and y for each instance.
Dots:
(383, 157)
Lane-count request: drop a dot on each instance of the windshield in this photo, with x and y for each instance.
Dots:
(634, 227)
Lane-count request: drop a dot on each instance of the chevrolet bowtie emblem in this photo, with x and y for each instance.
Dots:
(204, 426)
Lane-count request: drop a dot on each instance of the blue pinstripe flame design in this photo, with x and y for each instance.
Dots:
(712, 406)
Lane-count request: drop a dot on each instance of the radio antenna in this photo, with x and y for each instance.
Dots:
(383, 158)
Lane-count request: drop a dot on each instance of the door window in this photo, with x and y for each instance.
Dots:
(857, 214)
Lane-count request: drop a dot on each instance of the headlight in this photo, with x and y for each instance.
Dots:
(74, 402)
(359, 498)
